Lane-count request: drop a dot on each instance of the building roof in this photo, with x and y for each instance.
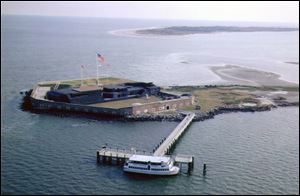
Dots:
(134, 88)
(65, 91)
(88, 88)
(140, 84)
(115, 86)
(152, 159)
(68, 91)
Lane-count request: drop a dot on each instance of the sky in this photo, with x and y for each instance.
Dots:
(257, 11)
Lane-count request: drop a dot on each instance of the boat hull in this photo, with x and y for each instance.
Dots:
(173, 171)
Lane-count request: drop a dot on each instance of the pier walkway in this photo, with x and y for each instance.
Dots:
(167, 144)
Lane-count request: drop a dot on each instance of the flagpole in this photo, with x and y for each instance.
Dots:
(81, 74)
(98, 65)
(97, 75)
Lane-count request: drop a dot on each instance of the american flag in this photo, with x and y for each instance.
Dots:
(100, 58)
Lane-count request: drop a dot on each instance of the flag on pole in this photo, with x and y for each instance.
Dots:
(100, 58)
(83, 66)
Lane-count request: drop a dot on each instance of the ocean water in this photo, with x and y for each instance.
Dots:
(245, 153)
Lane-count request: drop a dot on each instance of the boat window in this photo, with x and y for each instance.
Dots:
(131, 167)
(155, 169)
(139, 162)
(155, 163)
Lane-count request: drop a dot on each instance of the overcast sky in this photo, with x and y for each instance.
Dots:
(259, 11)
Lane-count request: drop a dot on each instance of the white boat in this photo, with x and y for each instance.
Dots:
(151, 165)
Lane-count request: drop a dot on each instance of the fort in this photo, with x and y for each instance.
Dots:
(117, 97)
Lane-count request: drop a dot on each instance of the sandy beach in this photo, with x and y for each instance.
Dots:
(131, 32)
(247, 76)
(134, 32)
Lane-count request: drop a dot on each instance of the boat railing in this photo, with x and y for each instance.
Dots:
(126, 151)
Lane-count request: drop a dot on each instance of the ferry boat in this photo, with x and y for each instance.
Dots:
(151, 165)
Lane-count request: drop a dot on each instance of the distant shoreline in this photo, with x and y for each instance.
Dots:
(292, 62)
(194, 30)
(130, 32)
(187, 30)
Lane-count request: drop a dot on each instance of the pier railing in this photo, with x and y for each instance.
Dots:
(124, 151)
(168, 143)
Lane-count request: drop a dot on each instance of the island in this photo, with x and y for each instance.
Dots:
(188, 30)
(123, 99)
(292, 62)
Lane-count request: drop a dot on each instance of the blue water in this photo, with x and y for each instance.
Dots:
(245, 153)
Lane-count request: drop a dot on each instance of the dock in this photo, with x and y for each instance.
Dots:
(119, 156)
(167, 144)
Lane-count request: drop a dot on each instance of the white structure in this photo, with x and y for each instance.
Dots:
(151, 165)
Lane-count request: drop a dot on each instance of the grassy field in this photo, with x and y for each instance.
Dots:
(210, 97)
(127, 102)
(216, 97)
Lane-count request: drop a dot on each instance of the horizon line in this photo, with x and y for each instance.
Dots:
(172, 19)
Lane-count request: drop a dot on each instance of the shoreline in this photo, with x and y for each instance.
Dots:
(174, 31)
(133, 33)
(292, 62)
(190, 30)
(201, 116)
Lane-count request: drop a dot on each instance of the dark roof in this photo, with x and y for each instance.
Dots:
(68, 91)
(130, 88)
(112, 86)
(87, 88)
(65, 91)
(140, 84)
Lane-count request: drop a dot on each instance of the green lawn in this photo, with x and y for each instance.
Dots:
(127, 102)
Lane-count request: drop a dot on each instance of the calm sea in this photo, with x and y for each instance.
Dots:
(245, 153)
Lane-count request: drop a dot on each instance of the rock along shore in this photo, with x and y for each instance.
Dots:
(201, 116)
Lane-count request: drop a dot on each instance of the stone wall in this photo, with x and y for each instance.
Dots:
(161, 106)
(50, 105)
(150, 108)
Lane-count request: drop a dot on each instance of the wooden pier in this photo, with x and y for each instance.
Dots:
(119, 156)
(168, 143)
